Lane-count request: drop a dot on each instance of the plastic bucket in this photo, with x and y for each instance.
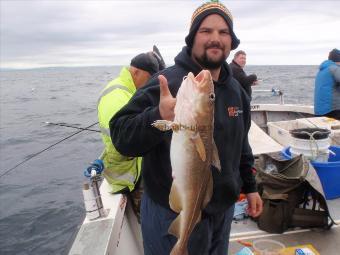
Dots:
(313, 143)
(316, 150)
(267, 247)
(305, 133)
(328, 172)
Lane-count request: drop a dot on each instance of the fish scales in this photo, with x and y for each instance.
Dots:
(192, 153)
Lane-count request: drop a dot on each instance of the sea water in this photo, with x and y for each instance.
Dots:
(41, 202)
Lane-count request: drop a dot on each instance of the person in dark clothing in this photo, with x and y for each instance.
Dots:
(237, 65)
(208, 44)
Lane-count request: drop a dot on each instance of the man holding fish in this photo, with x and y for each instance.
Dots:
(191, 127)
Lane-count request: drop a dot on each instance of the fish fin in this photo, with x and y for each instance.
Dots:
(178, 249)
(162, 125)
(175, 127)
(215, 158)
(199, 217)
(174, 199)
(174, 228)
(209, 192)
(199, 146)
(166, 125)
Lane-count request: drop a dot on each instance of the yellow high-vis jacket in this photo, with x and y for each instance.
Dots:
(120, 171)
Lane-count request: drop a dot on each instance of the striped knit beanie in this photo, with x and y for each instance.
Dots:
(213, 7)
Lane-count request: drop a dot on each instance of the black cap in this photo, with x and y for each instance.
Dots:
(213, 7)
(334, 55)
(146, 62)
(151, 62)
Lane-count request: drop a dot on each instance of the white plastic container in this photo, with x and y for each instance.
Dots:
(91, 207)
(313, 143)
(267, 247)
(313, 149)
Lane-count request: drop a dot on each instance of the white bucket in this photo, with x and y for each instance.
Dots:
(317, 150)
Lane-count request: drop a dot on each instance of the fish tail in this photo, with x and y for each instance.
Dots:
(179, 249)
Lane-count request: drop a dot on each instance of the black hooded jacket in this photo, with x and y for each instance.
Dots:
(245, 80)
(133, 135)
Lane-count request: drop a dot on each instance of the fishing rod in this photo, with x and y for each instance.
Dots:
(38, 153)
(71, 126)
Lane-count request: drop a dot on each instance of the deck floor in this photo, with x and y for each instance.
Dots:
(325, 241)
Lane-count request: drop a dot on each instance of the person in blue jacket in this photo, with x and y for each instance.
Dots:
(327, 87)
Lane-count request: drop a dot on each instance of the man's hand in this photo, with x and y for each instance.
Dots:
(255, 204)
(166, 101)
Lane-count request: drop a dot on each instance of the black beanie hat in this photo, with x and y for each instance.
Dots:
(213, 7)
(146, 62)
(334, 55)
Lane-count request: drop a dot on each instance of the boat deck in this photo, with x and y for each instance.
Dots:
(120, 233)
(324, 241)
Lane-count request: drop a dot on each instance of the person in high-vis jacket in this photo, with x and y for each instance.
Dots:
(123, 173)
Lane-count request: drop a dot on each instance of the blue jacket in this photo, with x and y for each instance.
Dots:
(327, 88)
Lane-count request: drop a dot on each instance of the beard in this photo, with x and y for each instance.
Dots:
(206, 62)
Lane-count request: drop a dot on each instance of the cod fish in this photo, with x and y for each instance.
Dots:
(192, 153)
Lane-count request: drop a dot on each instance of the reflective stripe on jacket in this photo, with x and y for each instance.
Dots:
(120, 171)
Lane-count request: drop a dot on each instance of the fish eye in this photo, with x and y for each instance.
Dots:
(212, 97)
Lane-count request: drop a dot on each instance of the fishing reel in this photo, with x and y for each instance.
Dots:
(92, 197)
(95, 169)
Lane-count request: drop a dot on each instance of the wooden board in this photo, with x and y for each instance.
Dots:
(261, 142)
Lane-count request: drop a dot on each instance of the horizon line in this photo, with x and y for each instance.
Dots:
(82, 66)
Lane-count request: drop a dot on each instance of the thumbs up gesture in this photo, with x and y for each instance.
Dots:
(166, 101)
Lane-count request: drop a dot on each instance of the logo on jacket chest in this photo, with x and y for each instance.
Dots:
(234, 111)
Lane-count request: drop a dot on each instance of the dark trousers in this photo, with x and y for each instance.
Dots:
(209, 237)
(136, 198)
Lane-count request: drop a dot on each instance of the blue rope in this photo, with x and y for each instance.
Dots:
(96, 165)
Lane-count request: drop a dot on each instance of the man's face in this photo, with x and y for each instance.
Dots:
(212, 42)
(241, 60)
(141, 78)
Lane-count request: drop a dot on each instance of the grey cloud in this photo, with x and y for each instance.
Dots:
(35, 27)
(50, 32)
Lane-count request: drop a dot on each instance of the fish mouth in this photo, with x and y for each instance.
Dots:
(203, 76)
(204, 80)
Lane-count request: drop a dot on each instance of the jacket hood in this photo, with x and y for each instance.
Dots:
(184, 60)
(326, 64)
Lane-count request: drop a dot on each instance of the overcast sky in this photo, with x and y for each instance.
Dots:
(85, 33)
